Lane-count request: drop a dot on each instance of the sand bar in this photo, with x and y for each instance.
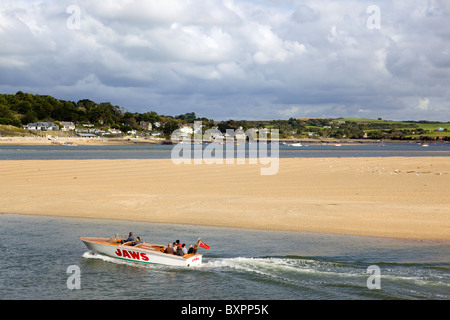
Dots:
(383, 197)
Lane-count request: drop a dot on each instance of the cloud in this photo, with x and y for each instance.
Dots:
(233, 59)
(424, 104)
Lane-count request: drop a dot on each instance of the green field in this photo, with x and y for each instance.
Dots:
(426, 126)
(365, 120)
(434, 126)
(429, 128)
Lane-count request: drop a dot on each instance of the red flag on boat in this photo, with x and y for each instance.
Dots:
(203, 245)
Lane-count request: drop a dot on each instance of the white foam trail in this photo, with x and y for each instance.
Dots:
(94, 255)
(421, 279)
(274, 267)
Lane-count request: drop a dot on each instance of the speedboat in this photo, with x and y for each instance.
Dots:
(144, 252)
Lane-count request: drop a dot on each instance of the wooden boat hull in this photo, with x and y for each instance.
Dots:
(143, 253)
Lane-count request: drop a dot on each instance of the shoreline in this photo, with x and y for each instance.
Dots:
(44, 141)
(127, 140)
(431, 240)
(402, 198)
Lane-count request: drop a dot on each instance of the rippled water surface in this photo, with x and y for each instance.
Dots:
(139, 151)
(241, 264)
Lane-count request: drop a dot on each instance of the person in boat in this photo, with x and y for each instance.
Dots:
(179, 252)
(131, 237)
(135, 243)
(169, 249)
(191, 249)
(184, 249)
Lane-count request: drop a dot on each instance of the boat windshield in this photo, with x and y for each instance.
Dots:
(117, 238)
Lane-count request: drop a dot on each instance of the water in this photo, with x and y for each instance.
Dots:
(241, 264)
(142, 151)
(36, 251)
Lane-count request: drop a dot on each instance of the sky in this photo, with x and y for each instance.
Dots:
(234, 59)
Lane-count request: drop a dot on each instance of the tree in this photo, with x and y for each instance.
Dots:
(170, 126)
(188, 117)
(5, 112)
(148, 117)
(24, 107)
(8, 117)
(377, 134)
(29, 117)
(125, 128)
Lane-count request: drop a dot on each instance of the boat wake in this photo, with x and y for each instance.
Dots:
(276, 266)
(321, 277)
(95, 255)
(302, 272)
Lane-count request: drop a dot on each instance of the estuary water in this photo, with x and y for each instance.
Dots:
(149, 151)
(38, 252)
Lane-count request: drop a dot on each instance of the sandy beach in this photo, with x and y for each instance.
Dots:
(383, 197)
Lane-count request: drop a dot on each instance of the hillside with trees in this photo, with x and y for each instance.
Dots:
(17, 110)
(22, 108)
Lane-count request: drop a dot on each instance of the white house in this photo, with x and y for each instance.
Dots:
(67, 126)
(186, 130)
(42, 126)
(115, 131)
(240, 135)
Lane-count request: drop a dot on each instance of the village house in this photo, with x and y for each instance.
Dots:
(240, 134)
(185, 131)
(42, 126)
(146, 125)
(87, 135)
(115, 131)
(217, 135)
(67, 126)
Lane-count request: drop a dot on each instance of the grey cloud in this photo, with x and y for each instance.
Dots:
(305, 14)
(233, 59)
